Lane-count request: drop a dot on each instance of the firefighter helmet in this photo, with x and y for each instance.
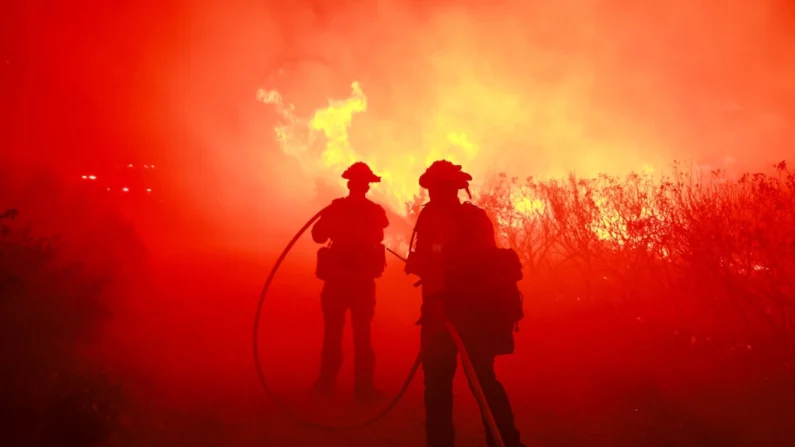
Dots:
(360, 171)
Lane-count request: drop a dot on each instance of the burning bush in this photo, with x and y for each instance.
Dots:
(678, 242)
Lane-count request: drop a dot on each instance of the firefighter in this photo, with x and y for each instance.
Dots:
(453, 240)
(353, 229)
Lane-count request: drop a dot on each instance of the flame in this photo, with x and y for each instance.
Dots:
(529, 207)
(334, 122)
(608, 226)
(322, 145)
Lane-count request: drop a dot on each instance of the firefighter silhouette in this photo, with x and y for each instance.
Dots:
(455, 242)
(354, 257)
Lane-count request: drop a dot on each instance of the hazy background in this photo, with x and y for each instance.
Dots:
(526, 87)
(591, 86)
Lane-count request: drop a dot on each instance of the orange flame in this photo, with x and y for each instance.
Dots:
(321, 143)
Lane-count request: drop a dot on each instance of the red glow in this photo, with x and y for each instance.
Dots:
(530, 88)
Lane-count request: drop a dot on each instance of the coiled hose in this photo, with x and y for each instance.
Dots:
(469, 370)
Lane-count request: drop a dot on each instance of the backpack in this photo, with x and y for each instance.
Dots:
(484, 281)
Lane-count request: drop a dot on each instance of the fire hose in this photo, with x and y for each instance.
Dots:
(469, 370)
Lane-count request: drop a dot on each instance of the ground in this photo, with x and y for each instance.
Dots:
(579, 377)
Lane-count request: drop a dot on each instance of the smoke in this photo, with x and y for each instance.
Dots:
(583, 85)
(534, 89)
(526, 87)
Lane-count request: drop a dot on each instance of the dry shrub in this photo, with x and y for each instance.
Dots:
(684, 246)
(51, 308)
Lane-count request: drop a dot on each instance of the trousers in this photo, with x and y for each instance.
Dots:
(439, 361)
(337, 298)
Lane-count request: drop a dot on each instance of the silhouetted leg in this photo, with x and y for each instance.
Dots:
(364, 362)
(497, 399)
(333, 323)
(439, 358)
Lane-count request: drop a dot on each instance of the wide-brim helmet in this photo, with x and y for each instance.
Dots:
(359, 171)
(443, 172)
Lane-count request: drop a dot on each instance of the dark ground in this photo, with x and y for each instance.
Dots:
(583, 375)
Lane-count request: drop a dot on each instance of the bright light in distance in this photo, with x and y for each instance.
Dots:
(85, 177)
(89, 177)
(148, 189)
(125, 189)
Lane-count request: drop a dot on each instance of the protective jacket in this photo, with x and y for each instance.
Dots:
(457, 257)
(353, 227)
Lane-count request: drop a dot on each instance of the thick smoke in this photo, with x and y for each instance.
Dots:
(527, 87)
(586, 86)
(535, 88)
